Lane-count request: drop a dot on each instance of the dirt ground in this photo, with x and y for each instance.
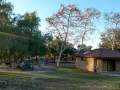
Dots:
(35, 71)
(47, 83)
(48, 68)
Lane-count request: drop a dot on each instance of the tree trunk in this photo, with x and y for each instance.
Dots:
(113, 45)
(58, 61)
(18, 64)
(83, 36)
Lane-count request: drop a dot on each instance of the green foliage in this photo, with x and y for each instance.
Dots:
(109, 38)
(29, 24)
(5, 12)
(84, 48)
(19, 34)
(56, 44)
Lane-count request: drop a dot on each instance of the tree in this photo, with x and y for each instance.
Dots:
(5, 17)
(39, 47)
(61, 25)
(84, 48)
(86, 25)
(6, 9)
(29, 25)
(69, 51)
(54, 46)
(113, 22)
(110, 39)
(19, 34)
(68, 54)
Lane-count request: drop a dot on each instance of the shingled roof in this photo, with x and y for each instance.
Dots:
(99, 53)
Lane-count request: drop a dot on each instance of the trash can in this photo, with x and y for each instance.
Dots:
(42, 64)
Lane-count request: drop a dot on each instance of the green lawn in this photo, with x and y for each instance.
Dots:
(61, 79)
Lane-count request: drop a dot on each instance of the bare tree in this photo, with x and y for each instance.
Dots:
(112, 27)
(61, 25)
(110, 37)
(86, 25)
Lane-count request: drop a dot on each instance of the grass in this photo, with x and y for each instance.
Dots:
(61, 79)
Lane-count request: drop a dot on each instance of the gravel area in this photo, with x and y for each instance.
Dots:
(111, 73)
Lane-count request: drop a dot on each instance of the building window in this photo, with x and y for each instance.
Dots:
(83, 59)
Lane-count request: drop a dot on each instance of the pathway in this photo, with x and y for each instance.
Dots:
(110, 73)
(37, 70)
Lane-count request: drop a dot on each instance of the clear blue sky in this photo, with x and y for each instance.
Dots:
(46, 8)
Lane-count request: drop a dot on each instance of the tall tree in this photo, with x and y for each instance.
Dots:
(20, 35)
(6, 9)
(5, 17)
(61, 25)
(112, 27)
(86, 25)
(110, 39)
(29, 25)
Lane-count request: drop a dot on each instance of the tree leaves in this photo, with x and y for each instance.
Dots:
(20, 35)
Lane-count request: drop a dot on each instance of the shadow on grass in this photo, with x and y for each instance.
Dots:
(61, 79)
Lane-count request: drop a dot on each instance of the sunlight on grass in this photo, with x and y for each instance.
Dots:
(63, 79)
(14, 75)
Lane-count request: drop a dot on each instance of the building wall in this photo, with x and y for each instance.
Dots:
(87, 64)
(111, 66)
(99, 68)
(102, 65)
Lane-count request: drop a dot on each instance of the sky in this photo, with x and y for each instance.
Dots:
(45, 8)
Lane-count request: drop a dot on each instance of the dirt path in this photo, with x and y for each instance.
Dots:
(37, 70)
(111, 73)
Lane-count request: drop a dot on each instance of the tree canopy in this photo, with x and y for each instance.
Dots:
(110, 38)
(20, 34)
(61, 25)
